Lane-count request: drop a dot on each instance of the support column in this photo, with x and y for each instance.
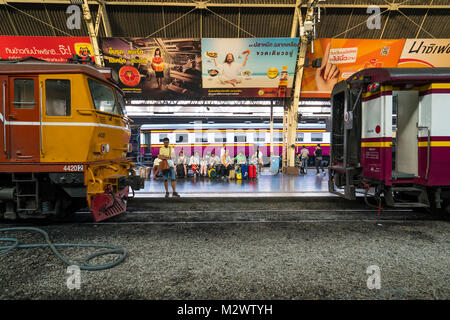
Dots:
(291, 111)
(271, 132)
(306, 36)
(92, 35)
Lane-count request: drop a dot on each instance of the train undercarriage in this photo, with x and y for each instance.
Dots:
(37, 195)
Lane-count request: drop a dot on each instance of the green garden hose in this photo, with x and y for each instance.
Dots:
(85, 264)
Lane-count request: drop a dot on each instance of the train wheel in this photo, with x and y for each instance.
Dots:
(441, 211)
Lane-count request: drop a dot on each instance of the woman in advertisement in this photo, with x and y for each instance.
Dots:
(158, 66)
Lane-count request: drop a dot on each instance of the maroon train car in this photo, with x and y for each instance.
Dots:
(390, 133)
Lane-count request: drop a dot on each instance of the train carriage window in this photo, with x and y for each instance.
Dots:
(181, 137)
(220, 137)
(24, 94)
(104, 98)
(240, 138)
(201, 137)
(162, 136)
(278, 136)
(259, 137)
(316, 137)
(57, 97)
(300, 137)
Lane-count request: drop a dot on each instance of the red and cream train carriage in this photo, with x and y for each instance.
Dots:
(391, 131)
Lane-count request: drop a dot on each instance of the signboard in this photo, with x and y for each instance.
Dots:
(334, 60)
(422, 53)
(255, 67)
(51, 49)
(155, 68)
(193, 68)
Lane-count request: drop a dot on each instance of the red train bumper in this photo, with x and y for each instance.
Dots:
(106, 205)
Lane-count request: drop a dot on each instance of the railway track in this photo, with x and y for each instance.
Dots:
(242, 217)
(191, 211)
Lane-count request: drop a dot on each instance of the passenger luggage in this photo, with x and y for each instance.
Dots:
(252, 171)
(238, 176)
(244, 170)
(212, 173)
(275, 164)
(148, 170)
(180, 171)
(232, 174)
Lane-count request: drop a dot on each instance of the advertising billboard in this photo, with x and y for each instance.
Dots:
(422, 53)
(334, 60)
(254, 67)
(51, 49)
(155, 68)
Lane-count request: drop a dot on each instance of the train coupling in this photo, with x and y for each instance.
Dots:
(108, 204)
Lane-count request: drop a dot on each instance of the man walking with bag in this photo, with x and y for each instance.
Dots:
(167, 166)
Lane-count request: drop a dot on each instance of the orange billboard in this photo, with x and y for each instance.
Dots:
(422, 53)
(334, 60)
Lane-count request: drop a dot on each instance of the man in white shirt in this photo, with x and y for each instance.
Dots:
(304, 158)
(230, 71)
(213, 161)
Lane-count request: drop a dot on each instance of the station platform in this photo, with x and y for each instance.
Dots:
(267, 184)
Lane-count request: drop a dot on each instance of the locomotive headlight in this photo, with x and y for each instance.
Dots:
(129, 147)
(105, 148)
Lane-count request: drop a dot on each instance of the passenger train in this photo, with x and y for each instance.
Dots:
(64, 138)
(390, 133)
(237, 137)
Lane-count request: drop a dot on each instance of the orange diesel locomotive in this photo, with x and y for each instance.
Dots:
(64, 137)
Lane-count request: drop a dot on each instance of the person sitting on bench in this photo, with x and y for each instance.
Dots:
(203, 167)
(156, 167)
(241, 158)
(214, 162)
(194, 163)
(181, 163)
(227, 164)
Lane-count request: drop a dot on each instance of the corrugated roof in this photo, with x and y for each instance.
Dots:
(142, 20)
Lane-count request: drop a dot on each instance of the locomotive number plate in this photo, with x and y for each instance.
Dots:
(73, 168)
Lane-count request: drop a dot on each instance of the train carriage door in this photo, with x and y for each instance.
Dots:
(24, 120)
(3, 109)
(405, 114)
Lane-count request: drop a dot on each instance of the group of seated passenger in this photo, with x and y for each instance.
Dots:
(200, 166)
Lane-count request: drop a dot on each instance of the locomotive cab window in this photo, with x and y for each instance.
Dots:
(104, 97)
(316, 137)
(24, 94)
(57, 97)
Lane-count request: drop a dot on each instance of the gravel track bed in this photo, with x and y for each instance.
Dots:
(240, 261)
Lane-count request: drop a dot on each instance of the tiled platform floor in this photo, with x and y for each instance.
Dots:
(266, 185)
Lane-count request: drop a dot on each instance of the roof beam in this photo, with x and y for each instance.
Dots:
(243, 5)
